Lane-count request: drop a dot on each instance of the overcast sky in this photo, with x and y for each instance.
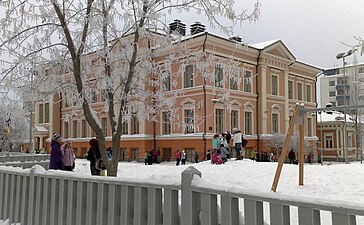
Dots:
(312, 30)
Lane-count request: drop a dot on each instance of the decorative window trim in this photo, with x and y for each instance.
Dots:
(279, 116)
(188, 104)
(275, 108)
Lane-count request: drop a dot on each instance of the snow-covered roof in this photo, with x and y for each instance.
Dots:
(335, 116)
(262, 45)
(40, 128)
(347, 65)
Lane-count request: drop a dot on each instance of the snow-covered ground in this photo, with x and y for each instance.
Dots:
(336, 182)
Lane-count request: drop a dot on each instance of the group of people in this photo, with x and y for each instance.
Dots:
(153, 156)
(262, 157)
(181, 157)
(221, 146)
(62, 156)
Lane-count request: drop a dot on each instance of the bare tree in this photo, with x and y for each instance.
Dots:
(104, 46)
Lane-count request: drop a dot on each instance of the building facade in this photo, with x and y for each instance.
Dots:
(260, 102)
(339, 88)
(330, 130)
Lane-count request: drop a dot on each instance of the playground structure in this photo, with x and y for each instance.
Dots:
(298, 118)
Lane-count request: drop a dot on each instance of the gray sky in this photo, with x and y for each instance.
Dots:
(312, 30)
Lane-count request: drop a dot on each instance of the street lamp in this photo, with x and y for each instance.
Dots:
(342, 55)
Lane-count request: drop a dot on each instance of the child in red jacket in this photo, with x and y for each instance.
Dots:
(216, 158)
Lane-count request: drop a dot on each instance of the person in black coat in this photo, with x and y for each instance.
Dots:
(208, 155)
(150, 157)
(93, 155)
(228, 137)
(291, 156)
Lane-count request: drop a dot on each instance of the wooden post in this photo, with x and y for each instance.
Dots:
(285, 148)
(302, 150)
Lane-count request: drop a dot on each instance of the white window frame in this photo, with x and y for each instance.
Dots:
(292, 91)
(275, 88)
(308, 92)
(309, 126)
(222, 121)
(298, 92)
(191, 78)
(234, 79)
(165, 124)
(74, 132)
(326, 136)
(219, 76)
(248, 82)
(166, 84)
(185, 128)
(275, 109)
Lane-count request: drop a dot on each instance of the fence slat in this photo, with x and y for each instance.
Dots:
(81, 203)
(230, 210)
(46, 204)
(91, 202)
(100, 203)
(38, 200)
(253, 212)
(170, 208)
(140, 205)
(2, 194)
(25, 200)
(190, 200)
(62, 201)
(209, 209)
(111, 205)
(5, 214)
(307, 216)
(279, 214)
(18, 199)
(69, 203)
(127, 209)
(343, 219)
(54, 198)
(12, 196)
(155, 206)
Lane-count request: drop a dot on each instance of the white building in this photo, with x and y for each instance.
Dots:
(339, 88)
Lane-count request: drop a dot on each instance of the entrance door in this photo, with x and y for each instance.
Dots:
(135, 154)
(123, 154)
(167, 153)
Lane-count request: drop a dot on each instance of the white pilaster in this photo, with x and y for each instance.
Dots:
(286, 103)
(264, 99)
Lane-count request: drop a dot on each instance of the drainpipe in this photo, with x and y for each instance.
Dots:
(60, 114)
(257, 111)
(154, 105)
(204, 102)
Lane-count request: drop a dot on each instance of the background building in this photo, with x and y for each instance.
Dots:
(339, 88)
(335, 86)
(330, 127)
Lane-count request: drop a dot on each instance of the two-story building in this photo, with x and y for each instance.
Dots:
(253, 88)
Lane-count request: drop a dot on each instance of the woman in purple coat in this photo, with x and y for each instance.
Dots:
(56, 153)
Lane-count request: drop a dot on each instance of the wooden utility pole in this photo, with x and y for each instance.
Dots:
(285, 148)
(302, 150)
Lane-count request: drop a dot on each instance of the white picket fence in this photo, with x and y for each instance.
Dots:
(24, 160)
(37, 197)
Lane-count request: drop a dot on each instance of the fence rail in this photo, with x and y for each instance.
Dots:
(24, 160)
(36, 196)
